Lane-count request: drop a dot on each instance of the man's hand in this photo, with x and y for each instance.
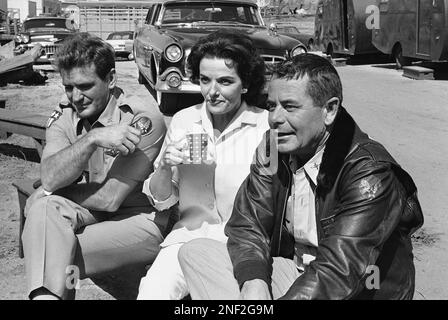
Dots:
(255, 290)
(39, 193)
(121, 137)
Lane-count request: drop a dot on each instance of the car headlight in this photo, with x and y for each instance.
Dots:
(298, 50)
(173, 53)
(25, 38)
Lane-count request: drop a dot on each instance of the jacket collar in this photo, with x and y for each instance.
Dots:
(344, 136)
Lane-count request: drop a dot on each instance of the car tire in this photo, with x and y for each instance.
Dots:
(397, 55)
(141, 78)
(170, 103)
(330, 51)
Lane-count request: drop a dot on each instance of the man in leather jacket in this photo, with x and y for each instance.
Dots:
(328, 215)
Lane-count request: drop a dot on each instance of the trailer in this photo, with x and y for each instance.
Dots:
(341, 28)
(104, 17)
(413, 29)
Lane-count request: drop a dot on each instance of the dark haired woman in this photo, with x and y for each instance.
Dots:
(207, 152)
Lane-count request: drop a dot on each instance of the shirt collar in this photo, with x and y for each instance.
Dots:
(111, 114)
(242, 117)
(311, 167)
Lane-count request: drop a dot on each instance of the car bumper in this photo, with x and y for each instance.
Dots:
(172, 81)
(122, 50)
(183, 84)
(47, 51)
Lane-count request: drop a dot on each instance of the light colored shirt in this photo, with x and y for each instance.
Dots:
(212, 186)
(69, 128)
(301, 212)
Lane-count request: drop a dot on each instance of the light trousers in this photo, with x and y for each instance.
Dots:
(61, 239)
(164, 280)
(208, 271)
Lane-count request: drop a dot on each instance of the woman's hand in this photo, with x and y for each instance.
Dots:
(175, 153)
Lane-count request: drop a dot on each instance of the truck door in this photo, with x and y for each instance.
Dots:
(344, 25)
(424, 24)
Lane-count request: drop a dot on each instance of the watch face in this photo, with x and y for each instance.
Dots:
(144, 124)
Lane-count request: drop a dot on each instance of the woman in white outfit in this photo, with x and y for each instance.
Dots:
(204, 176)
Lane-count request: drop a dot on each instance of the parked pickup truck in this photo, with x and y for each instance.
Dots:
(171, 28)
(46, 31)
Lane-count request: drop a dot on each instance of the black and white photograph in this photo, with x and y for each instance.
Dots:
(224, 151)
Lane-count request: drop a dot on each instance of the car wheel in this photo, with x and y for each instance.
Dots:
(330, 51)
(400, 61)
(311, 44)
(170, 103)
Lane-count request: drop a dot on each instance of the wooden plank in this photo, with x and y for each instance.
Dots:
(32, 125)
(7, 50)
(21, 60)
(3, 134)
(418, 73)
(32, 119)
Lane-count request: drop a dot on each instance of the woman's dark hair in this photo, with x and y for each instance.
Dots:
(238, 47)
(83, 49)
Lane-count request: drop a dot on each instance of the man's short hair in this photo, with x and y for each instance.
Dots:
(83, 49)
(324, 82)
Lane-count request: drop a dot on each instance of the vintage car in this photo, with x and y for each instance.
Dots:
(122, 42)
(294, 32)
(47, 31)
(171, 28)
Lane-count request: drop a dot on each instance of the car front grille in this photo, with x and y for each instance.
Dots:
(271, 59)
(50, 49)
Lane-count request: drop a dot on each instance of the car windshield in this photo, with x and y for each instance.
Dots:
(213, 12)
(288, 29)
(120, 36)
(45, 23)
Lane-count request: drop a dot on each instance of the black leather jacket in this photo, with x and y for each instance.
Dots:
(366, 211)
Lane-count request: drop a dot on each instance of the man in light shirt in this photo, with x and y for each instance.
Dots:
(316, 217)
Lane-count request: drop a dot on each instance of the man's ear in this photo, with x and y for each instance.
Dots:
(331, 110)
(112, 78)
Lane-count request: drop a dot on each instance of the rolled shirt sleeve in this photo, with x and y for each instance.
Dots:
(56, 136)
(171, 135)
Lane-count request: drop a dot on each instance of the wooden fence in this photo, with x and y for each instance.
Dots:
(104, 20)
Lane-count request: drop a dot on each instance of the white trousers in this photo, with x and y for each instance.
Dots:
(165, 279)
